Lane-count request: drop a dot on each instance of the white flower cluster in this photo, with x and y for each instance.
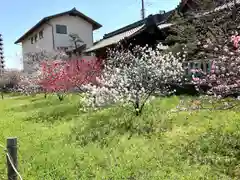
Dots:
(27, 85)
(34, 60)
(134, 75)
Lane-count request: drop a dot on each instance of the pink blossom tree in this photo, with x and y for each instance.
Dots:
(62, 77)
(216, 33)
(222, 81)
(224, 77)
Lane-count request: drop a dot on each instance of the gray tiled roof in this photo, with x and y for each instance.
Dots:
(115, 39)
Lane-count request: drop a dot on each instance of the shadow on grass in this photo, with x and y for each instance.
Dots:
(24, 97)
(105, 125)
(34, 105)
(34, 99)
(52, 114)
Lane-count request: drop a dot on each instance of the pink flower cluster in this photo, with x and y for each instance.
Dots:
(224, 77)
(62, 76)
(235, 40)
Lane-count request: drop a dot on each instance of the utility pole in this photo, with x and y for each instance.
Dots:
(143, 10)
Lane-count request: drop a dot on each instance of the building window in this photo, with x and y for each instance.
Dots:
(41, 34)
(209, 64)
(202, 66)
(35, 38)
(191, 65)
(196, 65)
(61, 29)
(32, 40)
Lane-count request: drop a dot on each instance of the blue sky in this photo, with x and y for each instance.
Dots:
(18, 16)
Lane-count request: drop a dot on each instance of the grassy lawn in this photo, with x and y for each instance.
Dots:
(59, 142)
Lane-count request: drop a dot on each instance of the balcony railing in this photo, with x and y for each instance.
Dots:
(204, 65)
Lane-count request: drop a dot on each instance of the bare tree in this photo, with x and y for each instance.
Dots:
(76, 40)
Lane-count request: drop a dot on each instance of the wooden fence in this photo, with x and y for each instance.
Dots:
(11, 159)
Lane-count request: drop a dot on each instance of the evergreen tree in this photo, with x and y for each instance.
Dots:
(202, 22)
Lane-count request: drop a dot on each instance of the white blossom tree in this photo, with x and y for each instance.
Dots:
(3, 83)
(133, 76)
(8, 80)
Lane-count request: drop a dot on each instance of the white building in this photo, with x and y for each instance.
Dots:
(52, 32)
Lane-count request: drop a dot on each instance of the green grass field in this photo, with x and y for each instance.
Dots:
(59, 142)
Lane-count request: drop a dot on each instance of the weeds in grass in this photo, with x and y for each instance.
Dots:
(57, 141)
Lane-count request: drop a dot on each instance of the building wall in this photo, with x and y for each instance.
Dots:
(74, 25)
(46, 43)
(51, 40)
